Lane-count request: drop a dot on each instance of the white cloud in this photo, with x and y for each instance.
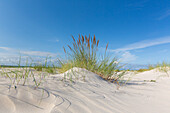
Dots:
(144, 44)
(57, 40)
(128, 57)
(31, 53)
(5, 48)
(7, 58)
(38, 53)
(11, 56)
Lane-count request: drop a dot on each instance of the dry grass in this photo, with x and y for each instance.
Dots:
(22, 75)
(83, 53)
(164, 67)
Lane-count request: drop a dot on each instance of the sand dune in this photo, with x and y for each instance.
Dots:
(92, 95)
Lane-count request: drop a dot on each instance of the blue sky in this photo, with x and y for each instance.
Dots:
(137, 30)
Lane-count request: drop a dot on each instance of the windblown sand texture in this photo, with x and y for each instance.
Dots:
(93, 95)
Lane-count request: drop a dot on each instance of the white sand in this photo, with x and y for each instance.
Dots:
(92, 96)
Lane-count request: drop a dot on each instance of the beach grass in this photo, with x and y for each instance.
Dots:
(164, 67)
(21, 74)
(83, 53)
(161, 66)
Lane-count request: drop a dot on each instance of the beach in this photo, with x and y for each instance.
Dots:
(145, 92)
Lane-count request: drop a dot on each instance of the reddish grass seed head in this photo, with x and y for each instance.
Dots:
(106, 46)
(86, 38)
(88, 41)
(69, 47)
(64, 49)
(94, 40)
(79, 41)
(97, 42)
(83, 39)
(73, 39)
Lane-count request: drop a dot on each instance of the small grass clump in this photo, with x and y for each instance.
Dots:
(143, 70)
(164, 67)
(150, 67)
(47, 66)
(152, 80)
(84, 54)
(23, 74)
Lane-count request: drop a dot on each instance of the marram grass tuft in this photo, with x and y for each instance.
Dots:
(83, 53)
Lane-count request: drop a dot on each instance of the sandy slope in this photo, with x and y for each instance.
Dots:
(92, 96)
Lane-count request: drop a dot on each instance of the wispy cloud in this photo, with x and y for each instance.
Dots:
(11, 56)
(128, 57)
(31, 53)
(5, 48)
(164, 15)
(143, 44)
(38, 53)
(57, 40)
